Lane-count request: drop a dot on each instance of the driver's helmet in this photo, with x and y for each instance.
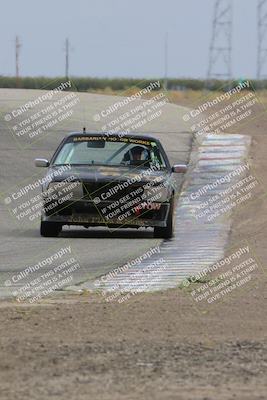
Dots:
(136, 153)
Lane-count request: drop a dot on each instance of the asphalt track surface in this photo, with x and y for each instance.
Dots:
(97, 249)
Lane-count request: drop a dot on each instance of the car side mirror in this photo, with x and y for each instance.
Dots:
(41, 162)
(179, 168)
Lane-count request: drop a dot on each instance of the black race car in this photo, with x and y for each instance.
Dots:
(112, 180)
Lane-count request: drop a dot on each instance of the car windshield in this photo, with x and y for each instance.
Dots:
(113, 151)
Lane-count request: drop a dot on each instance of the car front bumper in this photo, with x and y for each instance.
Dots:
(88, 214)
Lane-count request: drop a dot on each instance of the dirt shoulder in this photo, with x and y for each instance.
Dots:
(154, 345)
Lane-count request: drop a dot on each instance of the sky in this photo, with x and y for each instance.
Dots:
(121, 38)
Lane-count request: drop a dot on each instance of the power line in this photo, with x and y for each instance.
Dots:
(220, 55)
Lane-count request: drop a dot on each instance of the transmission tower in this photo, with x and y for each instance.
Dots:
(17, 51)
(262, 38)
(220, 56)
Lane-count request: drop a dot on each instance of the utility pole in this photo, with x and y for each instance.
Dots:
(220, 55)
(17, 51)
(67, 50)
(262, 39)
(166, 55)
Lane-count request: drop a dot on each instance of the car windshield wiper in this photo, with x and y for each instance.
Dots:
(89, 164)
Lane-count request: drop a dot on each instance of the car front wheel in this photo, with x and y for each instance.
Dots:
(50, 229)
(168, 231)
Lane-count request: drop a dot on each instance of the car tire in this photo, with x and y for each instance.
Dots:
(168, 231)
(50, 229)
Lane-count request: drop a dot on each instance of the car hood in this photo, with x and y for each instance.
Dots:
(104, 173)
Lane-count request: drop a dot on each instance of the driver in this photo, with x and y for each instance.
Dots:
(135, 154)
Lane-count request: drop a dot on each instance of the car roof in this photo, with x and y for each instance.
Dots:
(119, 134)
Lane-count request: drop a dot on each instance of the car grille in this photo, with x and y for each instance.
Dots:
(111, 191)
